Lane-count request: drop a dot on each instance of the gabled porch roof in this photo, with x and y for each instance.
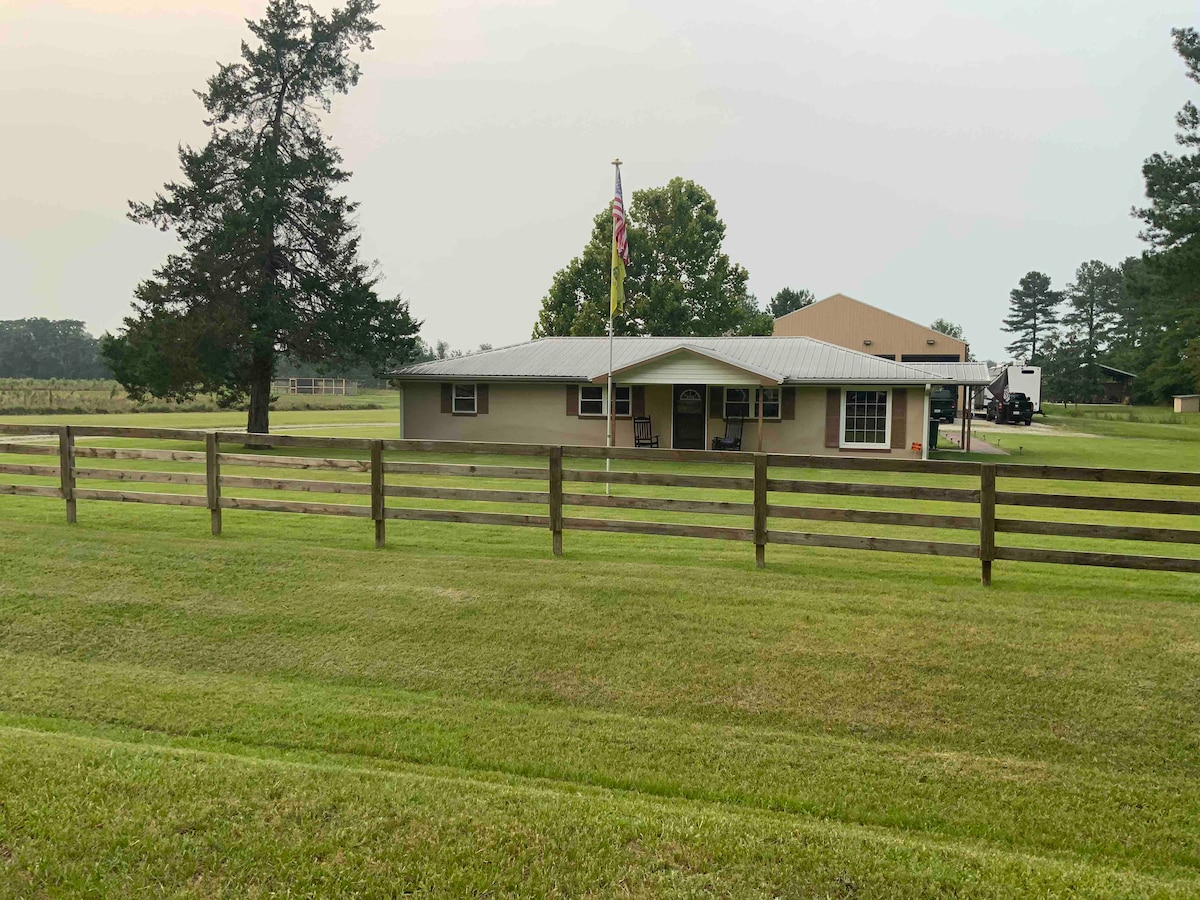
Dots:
(688, 363)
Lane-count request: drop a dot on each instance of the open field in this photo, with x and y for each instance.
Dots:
(282, 709)
(30, 396)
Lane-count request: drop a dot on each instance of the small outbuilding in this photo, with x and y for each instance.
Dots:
(1117, 385)
(1187, 403)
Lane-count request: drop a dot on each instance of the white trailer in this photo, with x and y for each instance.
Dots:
(1014, 379)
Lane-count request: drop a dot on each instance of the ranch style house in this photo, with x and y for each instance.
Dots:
(793, 394)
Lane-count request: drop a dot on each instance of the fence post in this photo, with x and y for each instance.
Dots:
(556, 495)
(212, 480)
(987, 520)
(377, 493)
(66, 469)
(760, 510)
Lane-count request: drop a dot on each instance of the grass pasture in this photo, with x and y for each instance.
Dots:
(283, 710)
(71, 397)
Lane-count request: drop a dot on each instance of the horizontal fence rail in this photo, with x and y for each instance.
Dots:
(754, 491)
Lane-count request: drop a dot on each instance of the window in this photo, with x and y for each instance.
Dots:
(464, 399)
(865, 419)
(738, 404)
(770, 401)
(591, 400)
(624, 399)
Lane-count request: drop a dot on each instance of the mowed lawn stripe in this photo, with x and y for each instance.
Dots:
(89, 815)
(1029, 805)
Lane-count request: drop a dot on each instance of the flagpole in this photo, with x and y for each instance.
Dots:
(612, 406)
(608, 439)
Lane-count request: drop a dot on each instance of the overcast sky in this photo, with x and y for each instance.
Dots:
(920, 156)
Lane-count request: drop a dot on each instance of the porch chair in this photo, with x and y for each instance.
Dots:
(642, 436)
(733, 435)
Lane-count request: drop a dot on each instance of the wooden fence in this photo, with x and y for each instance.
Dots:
(772, 477)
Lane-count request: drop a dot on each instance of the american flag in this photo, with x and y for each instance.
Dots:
(619, 236)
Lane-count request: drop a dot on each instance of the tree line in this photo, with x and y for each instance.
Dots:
(49, 348)
(1141, 315)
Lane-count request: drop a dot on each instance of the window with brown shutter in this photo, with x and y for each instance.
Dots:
(866, 419)
(639, 399)
(899, 419)
(481, 399)
(788, 408)
(447, 399)
(465, 399)
(716, 402)
(572, 399)
(833, 416)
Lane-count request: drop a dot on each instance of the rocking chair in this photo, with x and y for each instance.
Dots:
(733, 435)
(642, 436)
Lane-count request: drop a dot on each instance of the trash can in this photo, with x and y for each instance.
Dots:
(932, 436)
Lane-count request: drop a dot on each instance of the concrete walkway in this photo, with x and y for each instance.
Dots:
(978, 445)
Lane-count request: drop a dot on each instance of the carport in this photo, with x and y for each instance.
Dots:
(966, 379)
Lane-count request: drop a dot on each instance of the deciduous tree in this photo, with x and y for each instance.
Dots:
(679, 280)
(948, 328)
(789, 300)
(269, 262)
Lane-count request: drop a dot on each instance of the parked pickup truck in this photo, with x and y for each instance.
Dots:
(943, 405)
(1016, 408)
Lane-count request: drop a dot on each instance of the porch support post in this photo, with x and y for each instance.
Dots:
(925, 423)
(400, 391)
(962, 425)
(761, 403)
(970, 414)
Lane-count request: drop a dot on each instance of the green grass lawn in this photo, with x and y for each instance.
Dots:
(284, 711)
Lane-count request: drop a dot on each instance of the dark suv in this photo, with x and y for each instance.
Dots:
(1017, 408)
(943, 405)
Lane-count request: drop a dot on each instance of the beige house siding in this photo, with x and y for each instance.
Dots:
(851, 323)
(537, 414)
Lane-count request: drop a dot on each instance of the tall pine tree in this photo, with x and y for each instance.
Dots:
(1032, 315)
(1173, 230)
(1093, 300)
(269, 264)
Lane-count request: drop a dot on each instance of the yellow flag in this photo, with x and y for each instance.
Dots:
(617, 290)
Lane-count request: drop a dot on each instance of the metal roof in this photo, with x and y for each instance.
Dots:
(1115, 369)
(795, 359)
(957, 372)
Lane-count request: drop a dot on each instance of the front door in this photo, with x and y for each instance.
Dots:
(690, 420)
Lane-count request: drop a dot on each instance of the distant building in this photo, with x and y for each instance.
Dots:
(859, 326)
(1117, 385)
(1187, 403)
